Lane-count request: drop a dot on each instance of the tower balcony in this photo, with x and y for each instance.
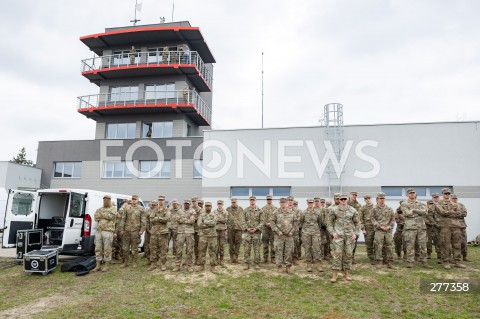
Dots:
(184, 101)
(152, 63)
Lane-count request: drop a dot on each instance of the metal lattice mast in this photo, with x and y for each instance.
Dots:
(333, 122)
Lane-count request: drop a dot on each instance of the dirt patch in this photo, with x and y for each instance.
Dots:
(36, 307)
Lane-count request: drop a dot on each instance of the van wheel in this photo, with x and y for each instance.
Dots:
(89, 245)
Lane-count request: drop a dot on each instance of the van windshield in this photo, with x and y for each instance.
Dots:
(76, 205)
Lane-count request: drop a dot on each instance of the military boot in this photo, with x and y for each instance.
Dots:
(152, 266)
(390, 265)
(222, 264)
(347, 275)
(98, 266)
(409, 264)
(459, 265)
(265, 260)
(429, 256)
(465, 258)
(135, 264)
(425, 265)
(295, 261)
(319, 267)
(125, 263)
(446, 266)
(176, 268)
(257, 267)
(201, 268)
(106, 266)
(309, 267)
(290, 270)
(378, 265)
(334, 276)
(190, 268)
(212, 269)
(281, 270)
(246, 267)
(163, 267)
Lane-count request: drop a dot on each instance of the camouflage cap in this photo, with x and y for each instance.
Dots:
(381, 195)
(161, 197)
(194, 198)
(174, 201)
(446, 191)
(336, 195)
(290, 198)
(430, 202)
(186, 201)
(435, 195)
(208, 204)
(200, 201)
(410, 190)
(134, 196)
(343, 196)
(310, 200)
(367, 196)
(283, 200)
(317, 199)
(233, 199)
(154, 203)
(252, 198)
(125, 200)
(269, 197)
(219, 202)
(107, 196)
(454, 196)
(322, 200)
(353, 193)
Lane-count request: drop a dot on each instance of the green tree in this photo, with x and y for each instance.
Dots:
(21, 158)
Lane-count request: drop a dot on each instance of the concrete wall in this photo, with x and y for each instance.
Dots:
(14, 176)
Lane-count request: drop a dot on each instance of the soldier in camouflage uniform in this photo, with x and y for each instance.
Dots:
(450, 229)
(383, 219)
(235, 228)
(368, 229)
(436, 227)
(311, 221)
(283, 222)
(296, 233)
(146, 240)
(221, 229)
(132, 226)
(198, 210)
(352, 201)
(185, 218)
(252, 230)
(429, 224)
(336, 202)
(268, 235)
(105, 217)
(414, 229)
(398, 236)
(117, 253)
(172, 226)
(159, 218)
(344, 225)
(463, 224)
(207, 221)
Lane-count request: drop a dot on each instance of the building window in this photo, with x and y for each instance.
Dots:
(150, 169)
(120, 130)
(157, 129)
(123, 93)
(160, 91)
(22, 204)
(124, 57)
(67, 169)
(422, 191)
(116, 169)
(260, 191)
(197, 168)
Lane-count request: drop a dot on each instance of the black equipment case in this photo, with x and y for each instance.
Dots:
(41, 261)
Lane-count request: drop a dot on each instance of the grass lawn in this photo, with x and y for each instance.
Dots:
(235, 293)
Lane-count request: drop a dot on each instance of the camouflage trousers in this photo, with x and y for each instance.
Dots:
(146, 245)
(103, 245)
(220, 242)
(383, 245)
(297, 252)
(172, 237)
(209, 243)
(188, 241)
(342, 253)
(117, 252)
(325, 248)
(437, 241)
(464, 242)
(311, 244)
(398, 241)
(234, 242)
(283, 250)
(451, 238)
(370, 243)
(131, 239)
(195, 245)
(429, 239)
(268, 238)
(410, 238)
(158, 248)
(252, 241)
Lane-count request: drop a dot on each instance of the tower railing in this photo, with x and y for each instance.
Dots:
(333, 123)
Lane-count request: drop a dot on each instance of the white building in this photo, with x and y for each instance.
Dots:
(386, 157)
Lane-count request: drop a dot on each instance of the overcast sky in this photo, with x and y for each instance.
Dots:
(386, 61)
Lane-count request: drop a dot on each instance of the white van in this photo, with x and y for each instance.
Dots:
(65, 215)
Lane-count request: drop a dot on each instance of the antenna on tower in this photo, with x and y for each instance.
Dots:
(138, 7)
(173, 8)
(262, 89)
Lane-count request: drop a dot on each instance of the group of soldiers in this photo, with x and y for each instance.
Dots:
(325, 230)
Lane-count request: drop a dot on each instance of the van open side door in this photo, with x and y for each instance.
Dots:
(20, 214)
(72, 234)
